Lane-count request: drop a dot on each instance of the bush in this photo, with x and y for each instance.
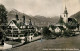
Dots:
(7, 39)
(35, 34)
(57, 34)
(46, 32)
(18, 40)
(67, 33)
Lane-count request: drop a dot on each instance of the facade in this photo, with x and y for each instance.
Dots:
(15, 30)
(18, 30)
(51, 28)
(57, 30)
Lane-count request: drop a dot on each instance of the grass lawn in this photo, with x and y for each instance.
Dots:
(12, 42)
(59, 43)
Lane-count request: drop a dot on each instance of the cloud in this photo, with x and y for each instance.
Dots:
(42, 7)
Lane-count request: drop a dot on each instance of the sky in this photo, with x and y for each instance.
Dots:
(48, 8)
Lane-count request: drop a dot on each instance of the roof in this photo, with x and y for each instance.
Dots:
(72, 20)
(21, 24)
(58, 24)
(17, 24)
(61, 27)
(52, 26)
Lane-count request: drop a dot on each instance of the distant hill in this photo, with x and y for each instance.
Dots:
(76, 16)
(37, 20)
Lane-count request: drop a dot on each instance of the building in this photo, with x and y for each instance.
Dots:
(57, 28)
(51, 28)
(18, 30)
(68, 23)
(65, 23)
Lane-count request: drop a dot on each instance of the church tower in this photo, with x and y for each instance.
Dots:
(65, 15)
(65, 12)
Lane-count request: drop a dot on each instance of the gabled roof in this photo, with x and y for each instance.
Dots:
(72, 20)
(61, 27)
(17, 24)
(52, 26)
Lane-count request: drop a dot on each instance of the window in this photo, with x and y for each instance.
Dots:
(15, 31)
(9, 31)
(9, 27)
(13, 26)
(31, 37)
(15, 35)
(21, 35)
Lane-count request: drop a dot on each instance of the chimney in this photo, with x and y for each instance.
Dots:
(23, 19)
(30, 22)
(17, 17)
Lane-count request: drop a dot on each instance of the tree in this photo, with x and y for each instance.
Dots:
(1, 35)
(46, 32)
(3, 16)
(61, 20)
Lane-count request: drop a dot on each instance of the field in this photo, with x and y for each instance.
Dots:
(45, 45)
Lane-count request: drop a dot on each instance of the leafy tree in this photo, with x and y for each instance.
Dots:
(61, 20)
(46, 32)
(3, 15)
(68, 33)
(1, 35)
(71, 25)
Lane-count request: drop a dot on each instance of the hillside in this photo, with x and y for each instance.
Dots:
(76, 16)
(38, 20)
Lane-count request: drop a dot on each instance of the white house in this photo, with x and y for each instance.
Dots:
(15, 30)
(57, 30)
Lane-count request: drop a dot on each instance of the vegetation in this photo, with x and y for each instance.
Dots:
(18, 40)
(1, 35)
(61, 20)
(3, 16)
(37, 34)
(46, 32)
(76, 16)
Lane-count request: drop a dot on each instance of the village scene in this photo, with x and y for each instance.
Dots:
(20, 32)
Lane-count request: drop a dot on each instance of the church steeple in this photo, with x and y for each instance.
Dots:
(65, 12)
(65, 15)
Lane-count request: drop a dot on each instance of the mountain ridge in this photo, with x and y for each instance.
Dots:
(38, 20)
(76, 16)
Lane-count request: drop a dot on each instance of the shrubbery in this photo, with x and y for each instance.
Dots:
(18, 40)
(48, 34)
(68, 33)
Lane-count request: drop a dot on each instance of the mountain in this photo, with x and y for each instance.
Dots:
(76, 16)
(37, 20)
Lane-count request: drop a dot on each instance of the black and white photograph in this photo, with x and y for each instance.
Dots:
(39, 25)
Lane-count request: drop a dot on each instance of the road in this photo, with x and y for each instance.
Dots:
(6, 46)
(59, 43)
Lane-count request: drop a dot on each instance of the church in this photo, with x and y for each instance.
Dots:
(18, 28)
(68, 22)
